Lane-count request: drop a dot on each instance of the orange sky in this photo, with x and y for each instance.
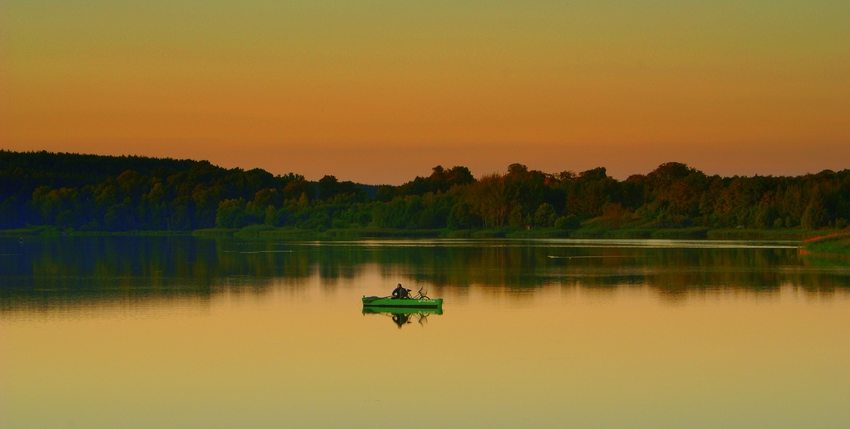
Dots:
(380, 91)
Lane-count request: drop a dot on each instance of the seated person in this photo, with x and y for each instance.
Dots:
(400, 293)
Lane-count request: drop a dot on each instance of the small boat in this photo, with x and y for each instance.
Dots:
(420, 300)
(402, 310)
(387, 302)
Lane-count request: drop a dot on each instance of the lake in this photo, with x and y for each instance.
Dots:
(181, 332)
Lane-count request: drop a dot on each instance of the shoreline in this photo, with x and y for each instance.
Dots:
(816, 239)
(834, 246)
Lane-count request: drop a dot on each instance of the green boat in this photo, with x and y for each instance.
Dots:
(412, 303)
(402, 310)
(401, 304)
(420, 300)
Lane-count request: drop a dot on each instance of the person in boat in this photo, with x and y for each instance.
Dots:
(400, 292)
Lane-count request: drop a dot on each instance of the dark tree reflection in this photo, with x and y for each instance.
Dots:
(44, 272)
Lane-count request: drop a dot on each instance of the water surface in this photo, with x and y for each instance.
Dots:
(101, 332)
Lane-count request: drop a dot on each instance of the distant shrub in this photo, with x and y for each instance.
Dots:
(254, 230)
(567, 222)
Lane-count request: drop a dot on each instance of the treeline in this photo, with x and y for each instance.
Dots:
(107, 193)
(96, 193)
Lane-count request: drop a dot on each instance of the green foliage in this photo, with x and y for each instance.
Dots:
(230, 214)
(213, 232)
(544, 216)
(253, 231)
(516, 219)
(108, 194)
(832, 244)
(440, 181)
(97, 193)
(815, 214)
(330, 187)
(568, 222)
(461, 216)
(385, 193)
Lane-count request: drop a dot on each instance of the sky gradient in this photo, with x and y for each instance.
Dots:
(381, 91)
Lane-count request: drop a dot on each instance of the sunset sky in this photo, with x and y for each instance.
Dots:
(381, 91)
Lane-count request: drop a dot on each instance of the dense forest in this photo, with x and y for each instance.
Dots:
(107, 193)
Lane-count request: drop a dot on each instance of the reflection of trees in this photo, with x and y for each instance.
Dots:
(45, 272)
(670, 270)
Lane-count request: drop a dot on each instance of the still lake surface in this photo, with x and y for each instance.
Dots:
(144, 332)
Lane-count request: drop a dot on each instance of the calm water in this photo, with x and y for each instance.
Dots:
(186, 333)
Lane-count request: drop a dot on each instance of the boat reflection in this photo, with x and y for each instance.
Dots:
(405, 316)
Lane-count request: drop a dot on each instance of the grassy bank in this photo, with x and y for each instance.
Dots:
(837, 244)
(264, 231)
(766, 234)
(52, 231)
(640, 233)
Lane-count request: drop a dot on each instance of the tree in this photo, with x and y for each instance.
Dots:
(568, 222)
(815, 216)
(327, 187)
(461, 216)
(544, 216)
(230, 213)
